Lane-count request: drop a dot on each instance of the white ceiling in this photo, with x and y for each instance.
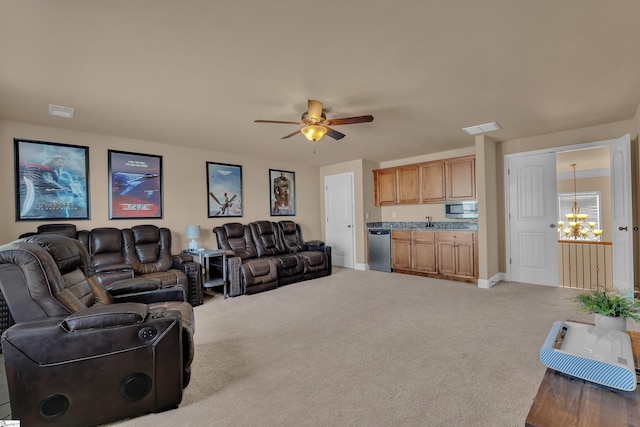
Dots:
(198, 72)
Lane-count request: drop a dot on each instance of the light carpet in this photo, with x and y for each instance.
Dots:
(366, 348)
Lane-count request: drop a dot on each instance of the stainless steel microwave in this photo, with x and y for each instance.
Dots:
(468, 209)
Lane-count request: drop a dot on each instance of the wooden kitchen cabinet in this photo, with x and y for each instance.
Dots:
(441, 254)
(385, 184)
(397, 186)
(413, 251)
(423, 251)
(429, 182)
(456, 253)
(408, 184)
(461, 178)
(432, 182)
(400, 249)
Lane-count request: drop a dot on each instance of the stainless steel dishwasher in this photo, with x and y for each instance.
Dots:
(380, 249)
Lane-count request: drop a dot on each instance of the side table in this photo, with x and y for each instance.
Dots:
(211, 276)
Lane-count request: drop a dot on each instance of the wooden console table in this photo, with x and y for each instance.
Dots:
(564, 401)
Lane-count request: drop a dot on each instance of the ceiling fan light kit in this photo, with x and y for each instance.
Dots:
(316, 125)
(314, 132)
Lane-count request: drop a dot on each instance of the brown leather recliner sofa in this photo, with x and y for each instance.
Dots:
(139, 251)
(76, 358)
(272, 254)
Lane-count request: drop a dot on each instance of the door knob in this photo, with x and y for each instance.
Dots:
(349, 226)
(622, 228)
(552, 225)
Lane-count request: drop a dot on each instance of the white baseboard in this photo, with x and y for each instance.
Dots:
(359, 266)
(486, 284)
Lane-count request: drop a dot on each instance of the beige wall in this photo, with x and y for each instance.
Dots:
(487, 176)
(184, 185)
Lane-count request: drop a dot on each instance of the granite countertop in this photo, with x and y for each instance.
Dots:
(422, 225)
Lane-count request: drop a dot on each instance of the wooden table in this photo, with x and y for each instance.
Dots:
(564, 401)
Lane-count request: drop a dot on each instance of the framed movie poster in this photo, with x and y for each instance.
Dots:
(136, 185)
(283, 192)
(224, 190)
(51, 181)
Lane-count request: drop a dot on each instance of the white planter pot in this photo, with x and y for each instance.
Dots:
(615, 323)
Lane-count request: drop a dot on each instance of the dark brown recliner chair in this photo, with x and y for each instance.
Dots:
(74, 358)
(147, 249)
(104, 245)
(68, 230)
(257, 274)
(316, 256)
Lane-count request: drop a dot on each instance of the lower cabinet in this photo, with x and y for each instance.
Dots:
(456, 253)
(446, 254)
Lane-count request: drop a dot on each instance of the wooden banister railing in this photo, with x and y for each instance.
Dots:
(585, 264)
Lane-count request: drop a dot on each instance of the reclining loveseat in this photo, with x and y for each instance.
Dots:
(272, 254)
(139, 251)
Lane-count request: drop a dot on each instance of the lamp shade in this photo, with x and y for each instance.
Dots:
(193, 232)
(314, 132)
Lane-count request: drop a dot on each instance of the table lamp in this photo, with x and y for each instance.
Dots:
(193, 233)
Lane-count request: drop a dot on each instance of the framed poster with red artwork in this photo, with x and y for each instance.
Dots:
(136, 185)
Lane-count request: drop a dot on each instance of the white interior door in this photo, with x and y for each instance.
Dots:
(339, 218)
(622, 214)
(532, 219)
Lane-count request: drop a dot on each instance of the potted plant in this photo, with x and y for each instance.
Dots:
(610, 307)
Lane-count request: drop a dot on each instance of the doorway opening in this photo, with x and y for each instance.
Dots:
(584, 214)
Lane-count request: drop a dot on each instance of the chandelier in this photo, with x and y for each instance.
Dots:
(575, 228)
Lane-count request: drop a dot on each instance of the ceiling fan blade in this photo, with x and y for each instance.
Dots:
(349, 120)
(278, 121)
(291, 134)
(334, 134)
(314, 110)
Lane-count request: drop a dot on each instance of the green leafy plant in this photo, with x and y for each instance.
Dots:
(608, 302)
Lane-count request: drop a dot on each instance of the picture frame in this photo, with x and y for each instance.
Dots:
(282, 187)
(135, 182)
(51, 180)
(224, 190)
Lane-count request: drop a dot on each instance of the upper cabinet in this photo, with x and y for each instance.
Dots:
(461, 178)
(385, 183)
(430, 182)
(394, 186)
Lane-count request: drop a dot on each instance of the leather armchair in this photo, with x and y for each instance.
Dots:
(256, 274)
(147, 249)
(316, 256)
(75, 358)
(68, 230)
(104, 245)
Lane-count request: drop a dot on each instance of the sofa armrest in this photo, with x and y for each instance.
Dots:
(194, 274)
(178, 260)
(170, 293)
(112, 267)
(311, 243)
(104, 316)
(135, 285)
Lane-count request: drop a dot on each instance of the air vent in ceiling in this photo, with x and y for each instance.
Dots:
(478, 129)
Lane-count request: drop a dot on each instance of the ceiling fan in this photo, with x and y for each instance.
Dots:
(316, 125)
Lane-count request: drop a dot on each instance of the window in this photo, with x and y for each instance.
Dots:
(588, 202)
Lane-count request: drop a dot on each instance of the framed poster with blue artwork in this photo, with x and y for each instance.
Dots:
(51, 181)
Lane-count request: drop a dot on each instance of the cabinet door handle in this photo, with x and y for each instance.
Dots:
(622, 228)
